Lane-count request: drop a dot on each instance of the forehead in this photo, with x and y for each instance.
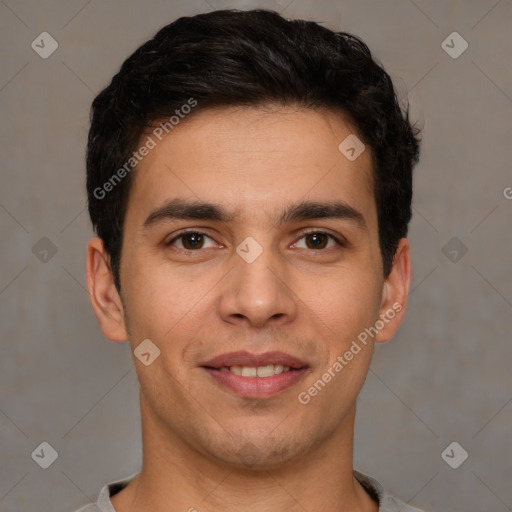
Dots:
(253, 160)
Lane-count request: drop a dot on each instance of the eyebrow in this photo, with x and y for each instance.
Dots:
(305, 210)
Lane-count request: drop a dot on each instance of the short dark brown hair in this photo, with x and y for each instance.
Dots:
(249, 58)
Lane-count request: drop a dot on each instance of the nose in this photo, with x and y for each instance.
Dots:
(258, 293)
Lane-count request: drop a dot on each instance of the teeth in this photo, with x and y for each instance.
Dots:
(265, 371)
(249, 372)
(261, 371)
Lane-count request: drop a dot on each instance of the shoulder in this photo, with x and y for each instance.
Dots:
(387, 503)
(103, 504)
(392, 504)
(88, 508)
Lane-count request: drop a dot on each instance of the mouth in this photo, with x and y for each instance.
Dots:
(256, 375)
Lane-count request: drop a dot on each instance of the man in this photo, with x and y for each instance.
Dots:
(250, 182)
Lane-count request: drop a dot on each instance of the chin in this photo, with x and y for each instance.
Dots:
(259, 451)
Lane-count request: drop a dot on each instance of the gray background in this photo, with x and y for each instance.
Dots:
(445, 377)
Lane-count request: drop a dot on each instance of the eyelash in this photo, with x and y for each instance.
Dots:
(341, 242)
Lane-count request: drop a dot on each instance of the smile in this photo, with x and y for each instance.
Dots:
(256, 375)
(261, 371)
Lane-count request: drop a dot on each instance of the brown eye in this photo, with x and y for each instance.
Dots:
(319, 240)
(190, 241)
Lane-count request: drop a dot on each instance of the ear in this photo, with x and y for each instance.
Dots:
(103, 294)
(394, 293)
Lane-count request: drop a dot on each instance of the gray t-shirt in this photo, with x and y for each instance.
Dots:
(386, 502)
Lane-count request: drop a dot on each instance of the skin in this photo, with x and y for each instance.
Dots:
(204, 446)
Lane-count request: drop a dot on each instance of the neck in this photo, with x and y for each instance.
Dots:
(175, 476)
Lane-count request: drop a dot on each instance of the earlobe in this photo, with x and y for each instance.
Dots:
(105, 299)
(394, 293)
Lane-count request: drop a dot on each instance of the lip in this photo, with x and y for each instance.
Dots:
(243, 358)
(256, 387)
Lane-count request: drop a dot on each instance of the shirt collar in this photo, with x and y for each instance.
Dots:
(372, 486)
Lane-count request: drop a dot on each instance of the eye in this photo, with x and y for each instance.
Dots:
(190, 240)
(319, 239)
(195, 240)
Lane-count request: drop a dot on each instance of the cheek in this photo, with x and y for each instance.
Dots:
(342, 315)
(345, 302)
(153, 302)
(167, 305)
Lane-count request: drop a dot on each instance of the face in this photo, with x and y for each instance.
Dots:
(281, 269)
